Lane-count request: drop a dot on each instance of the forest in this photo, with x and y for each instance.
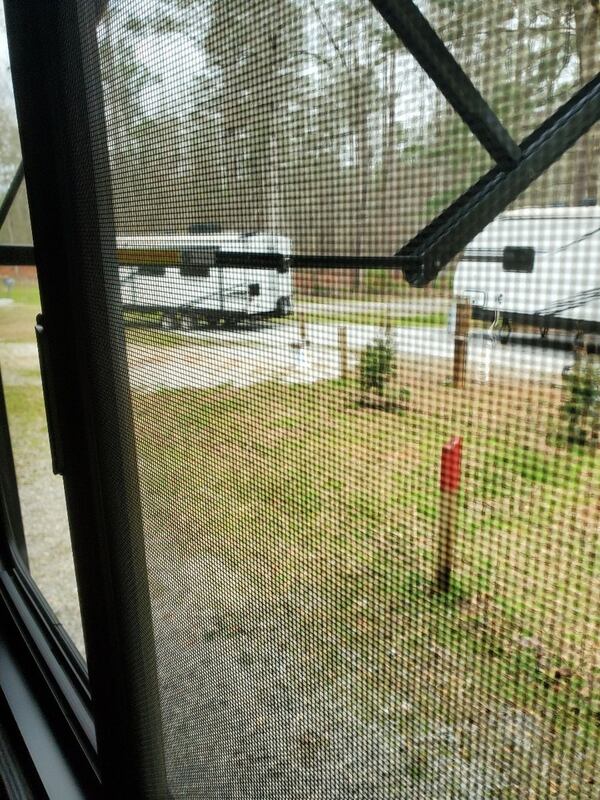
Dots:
(310, 118)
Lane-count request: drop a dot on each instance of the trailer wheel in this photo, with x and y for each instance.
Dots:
(284, 307)
(189, 321)
(168, 321)
(505, 331)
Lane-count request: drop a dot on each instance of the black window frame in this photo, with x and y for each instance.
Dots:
(55, 672)
(82, 733)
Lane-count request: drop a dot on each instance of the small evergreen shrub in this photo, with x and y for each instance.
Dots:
(377, 369)
(376, 366)
(581, 406)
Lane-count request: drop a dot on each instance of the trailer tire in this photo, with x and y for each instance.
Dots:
(168, 321)
(189, 321)
(505, 331)
(284, 307)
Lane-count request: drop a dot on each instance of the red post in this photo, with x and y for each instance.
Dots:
(450, 466)
(449, 486)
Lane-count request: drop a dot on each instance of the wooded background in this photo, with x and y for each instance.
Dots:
(310, 119)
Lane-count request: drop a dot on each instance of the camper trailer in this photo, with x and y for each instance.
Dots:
(197, 278)
(536, 266)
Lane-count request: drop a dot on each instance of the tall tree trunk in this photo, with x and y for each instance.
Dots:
(587, 38)
(364, 176)
(270, 218)
(365, 158)
(387, 157)
(272, 215)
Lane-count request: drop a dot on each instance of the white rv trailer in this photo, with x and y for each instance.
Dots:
(538, 266)
(210, 277)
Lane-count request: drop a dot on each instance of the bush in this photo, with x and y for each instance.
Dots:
(581, 408)
(377, 365)
(377, 369)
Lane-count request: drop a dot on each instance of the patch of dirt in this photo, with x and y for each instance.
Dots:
(253, 710)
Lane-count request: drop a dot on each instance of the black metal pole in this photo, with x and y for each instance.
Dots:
(10, 195)
(433, 247)
(60, 108)
(417, 35)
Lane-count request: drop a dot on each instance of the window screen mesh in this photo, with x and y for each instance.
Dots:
(336, 616)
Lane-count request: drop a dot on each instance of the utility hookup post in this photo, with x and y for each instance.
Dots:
(343, 348)
(461, 340)
(301, 344)
(389, 329)
(302, 330)
(580, 347)
(449, 486)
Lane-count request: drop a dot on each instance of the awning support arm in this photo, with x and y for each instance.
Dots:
(420, 39)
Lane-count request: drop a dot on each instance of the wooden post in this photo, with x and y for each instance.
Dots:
(302, 329)
(343, 348)
(449, 485)
(388, 328)
(580, 347)
(461, 338)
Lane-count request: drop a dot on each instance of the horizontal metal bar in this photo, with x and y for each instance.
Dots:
(17, 255)
(272, 261)
(417, 35)
(569, 324)
(345, 262)
(428, 252)
(11, 193)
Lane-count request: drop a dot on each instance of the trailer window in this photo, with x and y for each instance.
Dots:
(518, 259)
(191, 271)
(197, 261)
(151, 271)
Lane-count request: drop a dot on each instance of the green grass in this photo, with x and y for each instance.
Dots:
(546, 468)
(382, 284)
(17, 319)
(26, 414)
(17, 322)
(153, 337)
(26, 292)
(355, 318)
(299, 483)
(307, 494)
(142, 318)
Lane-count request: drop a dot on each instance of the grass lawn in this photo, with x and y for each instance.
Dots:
(337, 507)
(17, 320)
(379, 284)
(334, 508)
(354, 318)
(26, 292)
(152, 337)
